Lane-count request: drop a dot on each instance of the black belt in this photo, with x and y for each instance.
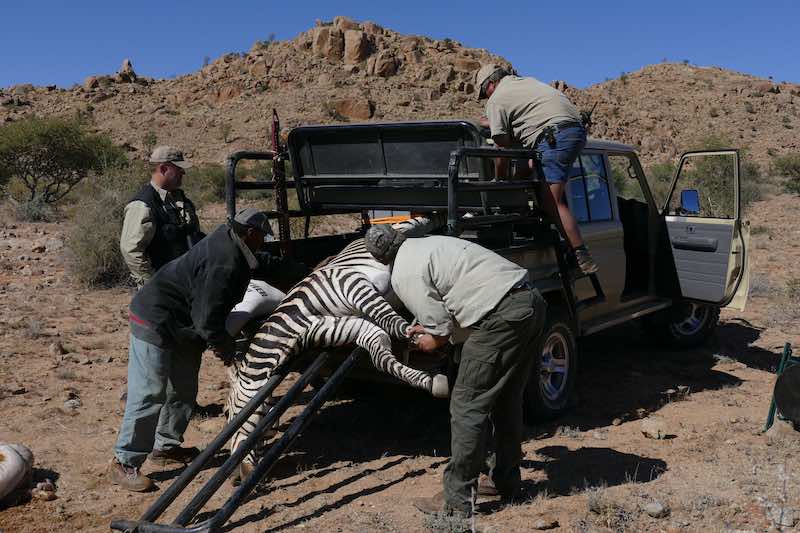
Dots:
(550, 130)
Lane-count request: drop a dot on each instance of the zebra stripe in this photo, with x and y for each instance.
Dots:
(336, 305)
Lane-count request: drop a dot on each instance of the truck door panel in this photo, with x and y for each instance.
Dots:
(703, 219)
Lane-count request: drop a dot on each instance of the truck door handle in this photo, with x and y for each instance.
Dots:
(698, 244)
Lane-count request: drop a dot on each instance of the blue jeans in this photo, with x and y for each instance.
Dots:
(162, 391)
(557, 158)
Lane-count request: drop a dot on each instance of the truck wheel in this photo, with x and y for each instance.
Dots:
(684, 325)
(552, 378)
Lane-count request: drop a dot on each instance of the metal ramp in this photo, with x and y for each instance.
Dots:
(148, 522)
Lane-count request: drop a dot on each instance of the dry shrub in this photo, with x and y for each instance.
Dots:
(94, 258)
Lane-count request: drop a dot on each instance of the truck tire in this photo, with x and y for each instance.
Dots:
(548, 394)
(684, 325)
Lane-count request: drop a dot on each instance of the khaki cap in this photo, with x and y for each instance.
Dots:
(169, 154)
(482, 75)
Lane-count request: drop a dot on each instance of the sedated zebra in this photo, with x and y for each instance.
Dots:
(339, 303)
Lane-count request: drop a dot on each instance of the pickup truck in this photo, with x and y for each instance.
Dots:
(670, 264)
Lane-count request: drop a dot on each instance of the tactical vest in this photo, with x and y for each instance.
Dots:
(174, 236)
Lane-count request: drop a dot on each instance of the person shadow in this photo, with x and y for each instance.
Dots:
(365, 421)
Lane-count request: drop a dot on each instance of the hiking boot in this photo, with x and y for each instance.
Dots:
(129, 477)
(241, 473)
(176, 456)
(431, 505)
(486, 487)
(585, 261)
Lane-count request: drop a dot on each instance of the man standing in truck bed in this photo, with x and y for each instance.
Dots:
(528, 112)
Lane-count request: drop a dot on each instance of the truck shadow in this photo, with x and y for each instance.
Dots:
(625, 375)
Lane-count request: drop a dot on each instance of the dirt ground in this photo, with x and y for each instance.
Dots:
(371, 451)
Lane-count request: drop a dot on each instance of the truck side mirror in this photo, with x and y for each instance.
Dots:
(690, 202)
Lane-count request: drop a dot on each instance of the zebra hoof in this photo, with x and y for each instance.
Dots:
(440, 388)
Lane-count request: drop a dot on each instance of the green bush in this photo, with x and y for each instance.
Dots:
(48, 157)
(205, 184)
(92, 240)
(712, 176)
(788, 166)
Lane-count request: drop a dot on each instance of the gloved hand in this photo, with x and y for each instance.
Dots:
(225, 350)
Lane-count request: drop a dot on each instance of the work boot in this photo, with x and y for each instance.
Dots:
(585, 261)
(486, 487)
(129, 477)
(431, 505)
(241, 473)
(176, 456)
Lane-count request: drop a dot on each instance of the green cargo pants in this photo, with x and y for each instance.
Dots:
(495, 362)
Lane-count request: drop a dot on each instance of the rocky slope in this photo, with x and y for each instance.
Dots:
(344, 70)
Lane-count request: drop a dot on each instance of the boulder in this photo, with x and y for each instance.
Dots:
(328, 42)
(466, 64)
(371, 28)
(126, 73)
(91, 82)
(385, 64)
(357, 108)
(345, 23)
(410, 42)
(259, 69)
(356, 46)
(225, 93)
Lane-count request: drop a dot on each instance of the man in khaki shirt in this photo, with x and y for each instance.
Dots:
(160, 221)
(450, 283)
(527, 112)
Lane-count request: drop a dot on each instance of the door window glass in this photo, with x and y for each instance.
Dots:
(712, 176)
(588, 190)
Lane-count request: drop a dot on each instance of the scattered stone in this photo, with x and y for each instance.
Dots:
(355, 108)
(57, 349)
(783, 517)
(654, 428)
(545, 523)
(38, 248)
(656, 510)
(44, 495)
(74, 403)
(46, 485)
(616, 422)
(19, 390)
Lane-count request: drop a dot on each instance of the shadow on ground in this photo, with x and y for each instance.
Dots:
(622, 371)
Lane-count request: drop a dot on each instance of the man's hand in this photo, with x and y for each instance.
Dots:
(430, 343)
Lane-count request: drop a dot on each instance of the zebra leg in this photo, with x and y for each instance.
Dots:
(339, 331)
(241, 391)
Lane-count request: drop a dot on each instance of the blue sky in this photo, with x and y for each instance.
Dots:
(582, 42)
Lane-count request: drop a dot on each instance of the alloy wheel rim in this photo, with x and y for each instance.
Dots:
(554, 366)
(691, 322)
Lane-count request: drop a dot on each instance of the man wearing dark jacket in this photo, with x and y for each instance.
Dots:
(160, 221)
(179, 311)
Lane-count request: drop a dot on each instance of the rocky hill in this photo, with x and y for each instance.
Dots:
(349, 71)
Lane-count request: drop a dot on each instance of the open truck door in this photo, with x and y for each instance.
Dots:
(704, 221)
